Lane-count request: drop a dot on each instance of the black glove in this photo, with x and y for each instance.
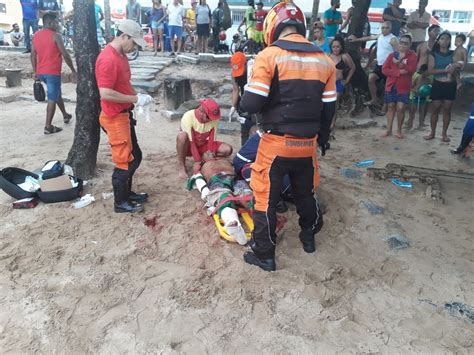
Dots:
(324, 147)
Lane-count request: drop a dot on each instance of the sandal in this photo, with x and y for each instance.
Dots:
(67, 118)
(52, 129)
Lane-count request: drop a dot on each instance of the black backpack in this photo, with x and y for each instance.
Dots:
(38, 91)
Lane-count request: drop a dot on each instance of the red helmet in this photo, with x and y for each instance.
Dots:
(281, 15)
(222, 36)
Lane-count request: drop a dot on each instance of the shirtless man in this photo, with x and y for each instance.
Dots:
(216, 183)
(423, 50)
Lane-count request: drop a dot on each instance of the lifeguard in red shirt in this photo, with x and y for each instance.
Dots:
(197, 137)
(117, 101)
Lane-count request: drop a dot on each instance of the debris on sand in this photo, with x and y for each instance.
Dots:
(397, 242)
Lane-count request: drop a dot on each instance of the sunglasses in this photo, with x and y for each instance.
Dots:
(406, 43)
(384, 27)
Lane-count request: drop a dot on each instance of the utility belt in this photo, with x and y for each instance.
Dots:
(284, 145)
(283, 134)
(131, 115)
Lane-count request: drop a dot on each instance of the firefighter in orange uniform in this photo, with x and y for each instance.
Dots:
(293, 85)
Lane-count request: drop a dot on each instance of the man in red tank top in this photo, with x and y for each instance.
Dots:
(47, 53)
(113, 76)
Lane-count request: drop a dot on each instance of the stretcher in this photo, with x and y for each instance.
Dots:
(233, 224)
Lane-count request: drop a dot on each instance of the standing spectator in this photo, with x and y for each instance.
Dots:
(99, 16)
(424, 49)
(217, 24)
(29, 9)
(319, 39)
(249, 21)
(133, 11)
(417, 23)
(16, 36)
(47, 53)
(48, 7)
(203, 23)
(332, 19)
(396, 15)
(345, 69)
(398, 68)
(260, 15)
(176, 15)
(419, 96)
(443, 92)
(386, 43)
(158, 16)
(470, 46)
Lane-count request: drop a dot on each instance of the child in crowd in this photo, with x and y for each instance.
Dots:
(419, 96)
(467, 136)
(459, 57)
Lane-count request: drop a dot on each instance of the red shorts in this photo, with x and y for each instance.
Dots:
(205, 147)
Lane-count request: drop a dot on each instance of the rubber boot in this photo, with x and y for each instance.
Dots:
(121, 203)
(307, 239)
(264, 264)
(136, 197)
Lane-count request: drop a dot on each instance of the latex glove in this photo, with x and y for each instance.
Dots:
(241, 119)
(143, 100)
(231, 113)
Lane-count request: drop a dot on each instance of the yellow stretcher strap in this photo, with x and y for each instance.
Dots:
(246, 221)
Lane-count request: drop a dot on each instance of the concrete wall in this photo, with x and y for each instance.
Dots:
(13, 14)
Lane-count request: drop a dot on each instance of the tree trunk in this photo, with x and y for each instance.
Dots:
(314, 18)
(83, 154)
(356, 27)
(107, 21)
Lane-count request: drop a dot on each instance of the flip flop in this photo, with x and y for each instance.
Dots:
(67, 118)
(428, 138)
(446, 140)
(52, 130)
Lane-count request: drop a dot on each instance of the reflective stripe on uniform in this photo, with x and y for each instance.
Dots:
(256, 91)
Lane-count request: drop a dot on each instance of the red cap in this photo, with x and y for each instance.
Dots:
(211, 108)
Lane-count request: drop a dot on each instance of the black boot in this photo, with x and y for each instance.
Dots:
(121, 204)
(136, 197)
(264, 264)
(307, 238)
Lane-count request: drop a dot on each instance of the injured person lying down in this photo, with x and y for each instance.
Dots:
(224, 196)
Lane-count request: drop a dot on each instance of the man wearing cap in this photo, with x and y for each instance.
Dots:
(197, 137)
(238, 63)
(117, 100)
(319, 39)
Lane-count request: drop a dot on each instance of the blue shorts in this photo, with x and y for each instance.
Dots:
(175, 31)
(157, 26)
(392, 97)
(339, 86)
(53, 85)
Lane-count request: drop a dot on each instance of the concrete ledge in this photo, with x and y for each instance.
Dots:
(188, 58)
(12, 49)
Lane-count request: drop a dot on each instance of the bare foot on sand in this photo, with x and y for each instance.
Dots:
(386, 134)
(428, 137)
(445, 139)
(409, 125)
(399, 136)
(183, 174)
(421, 126)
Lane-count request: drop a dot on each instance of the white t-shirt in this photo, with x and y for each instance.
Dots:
(384, 48)
(418, 34)
(175, 15)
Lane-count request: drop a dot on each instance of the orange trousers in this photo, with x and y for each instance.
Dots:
(120, 139)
